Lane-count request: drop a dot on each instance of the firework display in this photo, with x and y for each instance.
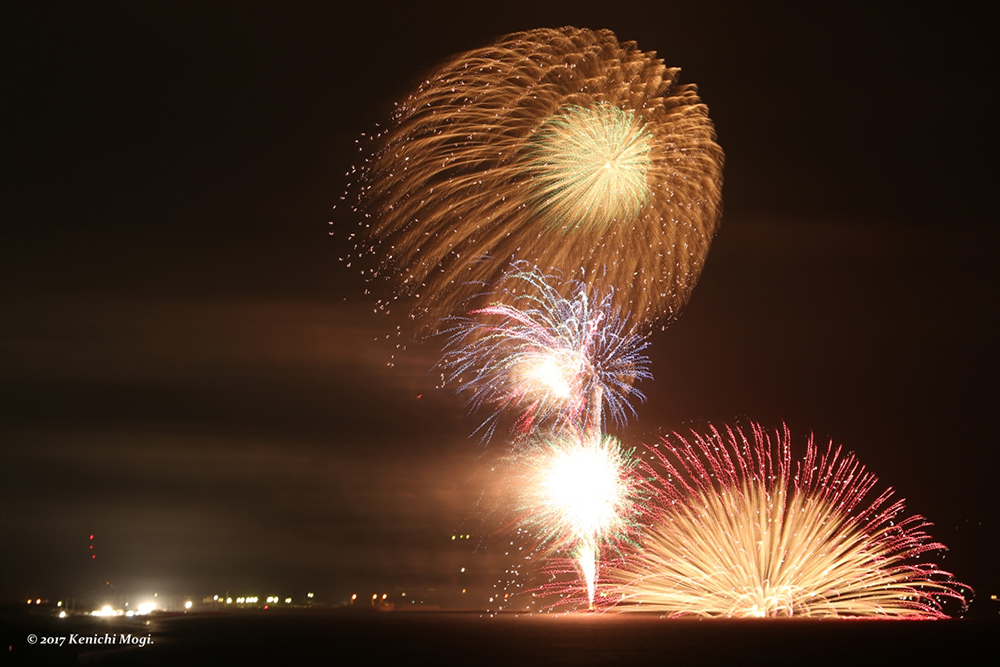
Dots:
(578, 494)
(555, 361)
(561, 189)
(738, 531)
(563, 148)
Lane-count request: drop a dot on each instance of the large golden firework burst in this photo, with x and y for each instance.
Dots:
(738, 531)
(562, 148)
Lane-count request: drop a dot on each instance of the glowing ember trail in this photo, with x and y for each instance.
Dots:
(587, 561)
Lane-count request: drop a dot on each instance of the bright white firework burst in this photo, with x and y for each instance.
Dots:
(564, 148)
(554, 361)
(577, 494)
(735, 530)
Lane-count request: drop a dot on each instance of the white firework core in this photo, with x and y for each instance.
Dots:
(589, 167)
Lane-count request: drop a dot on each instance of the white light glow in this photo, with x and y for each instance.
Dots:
(584, 486)
(551, 375)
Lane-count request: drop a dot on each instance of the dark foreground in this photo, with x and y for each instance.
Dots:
(438, 638)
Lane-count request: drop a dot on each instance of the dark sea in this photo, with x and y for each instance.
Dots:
(292, 637)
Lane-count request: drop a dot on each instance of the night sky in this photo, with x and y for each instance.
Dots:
(191, 373)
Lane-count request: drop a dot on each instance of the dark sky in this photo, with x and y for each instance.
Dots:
(189, 373)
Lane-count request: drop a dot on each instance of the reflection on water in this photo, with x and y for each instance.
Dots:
(479, 639)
